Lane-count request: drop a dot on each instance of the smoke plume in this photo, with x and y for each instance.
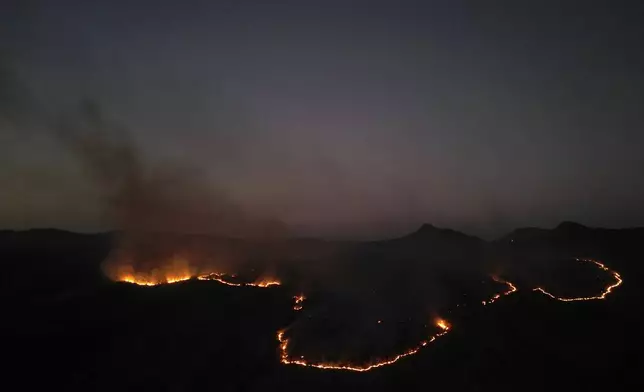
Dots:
(151, 205)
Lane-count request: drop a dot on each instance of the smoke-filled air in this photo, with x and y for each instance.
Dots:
(321, 195)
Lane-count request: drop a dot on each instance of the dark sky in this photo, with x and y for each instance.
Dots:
(342, 118)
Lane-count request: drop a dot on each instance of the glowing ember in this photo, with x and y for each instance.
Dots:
(607, 290)
(442, 324)
(285, 359)
(298, 302)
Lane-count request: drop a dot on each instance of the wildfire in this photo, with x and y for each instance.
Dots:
(144, 280)
(299, 299)
(141, 282)
(285, 359)
(265, 282)
(442, 324)
(147, 281)
(603, 295)
(219, 277)
(511, 289)
(178, 279)
(176, 269)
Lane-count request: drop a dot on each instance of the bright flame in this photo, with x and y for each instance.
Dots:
(219, 277)
(175, 270)
(301, 361)
(285, 359)
(442, 324)
(149, 281)
(298, 302)
(603, 295)
(134, 280)
(175, 279)
(511, 289)
(265, 282)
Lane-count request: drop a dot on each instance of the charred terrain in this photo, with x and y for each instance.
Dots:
(434, 309)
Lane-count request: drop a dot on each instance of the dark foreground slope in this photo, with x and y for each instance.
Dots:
(66, 326)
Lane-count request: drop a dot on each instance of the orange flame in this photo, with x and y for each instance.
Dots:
(134, 280)
(147, 281)
(265, 282)
(442, 324)
(176, 270)
(603, 295)
(511, 289)
(298, 302)
(220, 277)
(285, 359)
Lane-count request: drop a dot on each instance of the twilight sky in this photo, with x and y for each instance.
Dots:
(341, 118)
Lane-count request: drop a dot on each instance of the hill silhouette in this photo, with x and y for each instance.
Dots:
(78, 330)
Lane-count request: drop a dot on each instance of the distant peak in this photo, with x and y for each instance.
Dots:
(426, 227)
(568, 226)
(428, 232)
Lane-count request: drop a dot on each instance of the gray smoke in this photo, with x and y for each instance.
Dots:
(15, 101)
(145, 202)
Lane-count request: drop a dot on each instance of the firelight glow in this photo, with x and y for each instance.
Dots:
(299, 299)
(442, 325)
(511, 289)
(603, 295)
(143, 281)
(285, 359)
(220, 277)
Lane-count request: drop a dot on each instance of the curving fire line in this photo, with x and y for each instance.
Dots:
(441, 324)
(219, 277)
(603, 295)
(284, 357)
(512, 289)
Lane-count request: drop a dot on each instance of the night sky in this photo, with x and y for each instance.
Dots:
(341, 118)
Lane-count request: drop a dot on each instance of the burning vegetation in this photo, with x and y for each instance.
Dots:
(511, 289)
(299, 299)
(441, 324)
(222, 278)
(179, 270)
(604, 293)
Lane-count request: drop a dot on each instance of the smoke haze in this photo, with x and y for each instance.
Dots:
(143, 201)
